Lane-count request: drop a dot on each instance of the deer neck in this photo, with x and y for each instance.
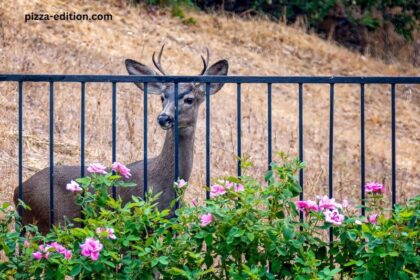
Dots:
(186, 151)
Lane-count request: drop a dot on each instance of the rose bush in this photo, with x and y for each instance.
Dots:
(247, 230)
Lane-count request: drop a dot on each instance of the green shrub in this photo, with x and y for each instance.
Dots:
(177, 8)
(403, 15)
(247, 230)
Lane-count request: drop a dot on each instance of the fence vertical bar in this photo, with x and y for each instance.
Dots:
(270, 135)
(331, 149)
(82, 133)
(20, 148)
(176, 139)
(238, 117)
(301, 144)
(362, 145)
(114, 130)
(145, 139)
(51, 154)
(82, 129)
(207, 139)
(393, 145)
(301, 137)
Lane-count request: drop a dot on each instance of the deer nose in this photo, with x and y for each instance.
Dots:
(165, 120)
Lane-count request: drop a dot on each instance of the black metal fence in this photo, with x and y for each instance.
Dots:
(238, 80)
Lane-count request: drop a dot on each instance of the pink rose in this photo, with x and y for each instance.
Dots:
(94, 256)
(238, 188)
(182, 183)
(229, 185)
(373, 219)
(121, 169)
(97, 168)
(217, 190)
(109, 232)
(67, 254)
(206, 219)
(85, 251)
(333, 217)
(91, 248)
(374, 187)
(37, 255)
(73, 187)
(307, 206)
(328, 203)
(58, 247)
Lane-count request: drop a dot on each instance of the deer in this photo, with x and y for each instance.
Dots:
(161, 169)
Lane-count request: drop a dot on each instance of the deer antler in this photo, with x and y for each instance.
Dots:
(158, 63)
(205, 62)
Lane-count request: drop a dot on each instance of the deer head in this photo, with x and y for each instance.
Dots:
(190, 95)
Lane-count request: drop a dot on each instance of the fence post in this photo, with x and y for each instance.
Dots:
(394, 170)
(207, 139)
(20, 146)
(270, 132)
(145, 140)
(239, 128)
(176, 139)
(51, 154)
(114, 130)
(362, 144)
(301, 136)
(331, 150)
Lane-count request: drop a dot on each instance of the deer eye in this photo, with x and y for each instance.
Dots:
(189, 100)
(162, 99)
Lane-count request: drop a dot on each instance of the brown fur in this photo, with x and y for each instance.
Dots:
(160, 174)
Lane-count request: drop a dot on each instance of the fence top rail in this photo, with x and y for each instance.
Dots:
(214, 79)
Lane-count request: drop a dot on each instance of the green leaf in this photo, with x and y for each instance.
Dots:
(276, 265)
(164, 260)
(250, 236)
(403, 275)
(268, 175)
(209, 240)
(205, 272)
(406, 214)
(354, 262)
(352, 235)
(126, 184)
(177, 271)
(288, 232)
(75, 270)
(393, 254)
(365, 228)
(5, 205)
(110, 264)
(201, 235)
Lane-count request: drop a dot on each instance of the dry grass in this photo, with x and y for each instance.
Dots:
(254, 47)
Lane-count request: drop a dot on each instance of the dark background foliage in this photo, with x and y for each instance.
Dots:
(348, 22)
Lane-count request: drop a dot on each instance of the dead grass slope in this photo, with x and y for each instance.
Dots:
(254, 47)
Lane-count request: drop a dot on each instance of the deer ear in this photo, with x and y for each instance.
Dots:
(219, 68)
(137, 68)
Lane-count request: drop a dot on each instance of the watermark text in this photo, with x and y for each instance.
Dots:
(67, 16)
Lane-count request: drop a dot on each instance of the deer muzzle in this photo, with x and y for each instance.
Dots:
(165, 121)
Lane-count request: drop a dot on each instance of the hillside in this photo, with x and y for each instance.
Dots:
(253, 47)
